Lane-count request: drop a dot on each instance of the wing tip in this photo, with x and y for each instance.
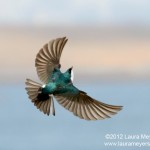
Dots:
(65, 39)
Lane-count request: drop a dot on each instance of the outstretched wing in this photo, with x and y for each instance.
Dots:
(34, 91)
(84, 106)
(48, 58)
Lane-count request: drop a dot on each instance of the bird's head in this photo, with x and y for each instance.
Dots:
(69, 74)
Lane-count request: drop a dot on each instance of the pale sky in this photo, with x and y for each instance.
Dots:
(90, 54)
(57, 18)
(75, 12)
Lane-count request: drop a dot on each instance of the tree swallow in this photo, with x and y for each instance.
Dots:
(60, 85)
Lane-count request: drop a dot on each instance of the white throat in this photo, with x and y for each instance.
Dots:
(72, 75)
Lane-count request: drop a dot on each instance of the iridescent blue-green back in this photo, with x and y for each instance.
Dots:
(59, 83)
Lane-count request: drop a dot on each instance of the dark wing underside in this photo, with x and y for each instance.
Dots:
(48, 58)
(86, 107)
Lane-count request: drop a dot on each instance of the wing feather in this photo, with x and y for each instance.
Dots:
(68, 104)
(48, 58)
(85, 107)
(94, 113)
(84, 110)
(33, 90)
(71, 106)
(91, 114)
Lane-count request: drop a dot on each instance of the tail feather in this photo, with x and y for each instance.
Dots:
(43, 102)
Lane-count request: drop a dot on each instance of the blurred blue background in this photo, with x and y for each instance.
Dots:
(109, 49)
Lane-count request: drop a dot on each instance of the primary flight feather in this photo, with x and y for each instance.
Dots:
(60, 85)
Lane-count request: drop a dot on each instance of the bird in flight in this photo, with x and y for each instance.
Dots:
(60, 86)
